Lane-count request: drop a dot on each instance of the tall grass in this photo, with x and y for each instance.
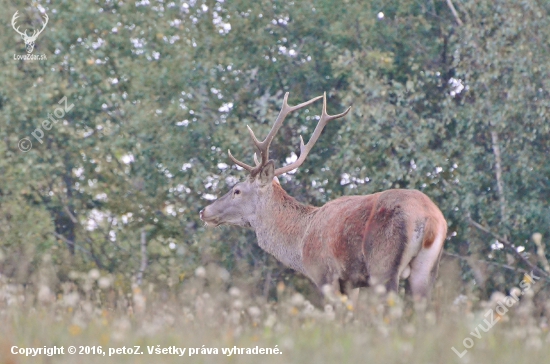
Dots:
(204, 311)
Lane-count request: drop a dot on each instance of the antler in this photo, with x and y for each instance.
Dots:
(263, 146)
(13, 19)
(43, 26)
(35, 33)
(304, 149)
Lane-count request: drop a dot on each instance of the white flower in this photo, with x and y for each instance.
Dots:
(200, 272)
(71, 299)
(234, 292)
(94, 274)
(254, 311)
(104, 282)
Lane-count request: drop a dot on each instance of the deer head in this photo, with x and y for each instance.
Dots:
(29, 39)
(240, 205)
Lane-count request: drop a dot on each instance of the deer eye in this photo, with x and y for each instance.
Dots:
(237, 192)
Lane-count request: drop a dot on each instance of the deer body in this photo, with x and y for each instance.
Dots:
(356, 240)
(350, 242)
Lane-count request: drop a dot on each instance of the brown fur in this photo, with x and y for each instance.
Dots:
(361, 239)
(429, 232)
(355, 241)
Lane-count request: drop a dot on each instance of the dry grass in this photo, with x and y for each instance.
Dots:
(94, 310)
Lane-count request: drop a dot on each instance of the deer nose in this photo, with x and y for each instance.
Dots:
(200, 213)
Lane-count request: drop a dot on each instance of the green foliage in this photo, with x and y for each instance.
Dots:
(161, 90)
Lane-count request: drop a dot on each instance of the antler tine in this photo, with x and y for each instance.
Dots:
(239, 163)
(256, 159)
(244, 165)
(305, 148)
(13, 19)
(46, 18)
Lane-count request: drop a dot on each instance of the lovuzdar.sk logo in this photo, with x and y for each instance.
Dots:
(29, 39)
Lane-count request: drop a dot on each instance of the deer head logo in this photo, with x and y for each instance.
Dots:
(29, 39)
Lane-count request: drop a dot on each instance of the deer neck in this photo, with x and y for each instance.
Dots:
(281, 225)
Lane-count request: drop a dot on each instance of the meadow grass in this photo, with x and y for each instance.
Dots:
(383, 328)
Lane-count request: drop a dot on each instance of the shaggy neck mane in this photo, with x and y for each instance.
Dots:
(281, 227)
(289, 204)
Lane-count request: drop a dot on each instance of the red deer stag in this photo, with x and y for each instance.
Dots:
(350, 242)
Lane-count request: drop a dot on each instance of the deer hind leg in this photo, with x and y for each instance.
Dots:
(384, 270)
(354, 297)
(425, 265)
(346, 288)
(384, 250)
(329, 285)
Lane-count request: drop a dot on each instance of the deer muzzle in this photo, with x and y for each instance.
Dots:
(208, 220)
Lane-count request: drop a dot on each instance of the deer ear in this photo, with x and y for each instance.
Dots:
(267, 173)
